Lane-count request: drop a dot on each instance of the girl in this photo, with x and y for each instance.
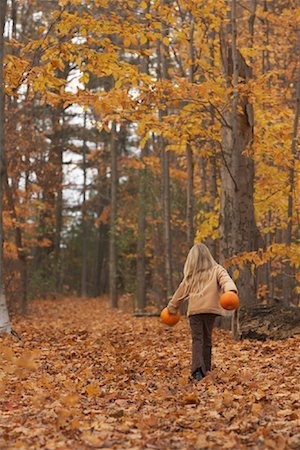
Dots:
(203, 282)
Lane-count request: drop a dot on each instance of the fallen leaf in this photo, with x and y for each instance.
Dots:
(191, 400)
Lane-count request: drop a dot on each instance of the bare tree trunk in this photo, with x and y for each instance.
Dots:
(212, 185)
(113, 218)
(56, 160)
(59, 222)
(11, 188)
(158, 275)
(18, 240)
(101, 246)
(190, 196)
(84, 219)
(5, 325)
(166, 213)
(101, 251)
(237, 221)
(141, 241)
(189, 152)
(165, 181)
(14, 18)
(213, 244)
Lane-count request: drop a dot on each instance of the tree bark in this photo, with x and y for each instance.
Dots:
(113, 218)
(5, 325)
(12, 188)
(57, 161)
(141, 241)
(14, 18)
(18, 239)
(212, 186)
(165, 179)
(189, 152)
(101, 251)
(275, 321)
(84, 219)
(102, 239)
(288, 279)
(166, 214)
(142, 223)
(237, 221)
(190, 196)
(266, 66)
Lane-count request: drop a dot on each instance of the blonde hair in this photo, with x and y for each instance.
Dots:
(197, 268)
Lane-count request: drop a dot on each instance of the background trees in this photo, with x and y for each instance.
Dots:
(130, 131)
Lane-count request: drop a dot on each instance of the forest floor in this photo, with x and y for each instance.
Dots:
(86, 377)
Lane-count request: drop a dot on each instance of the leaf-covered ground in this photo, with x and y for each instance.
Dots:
(87, 377)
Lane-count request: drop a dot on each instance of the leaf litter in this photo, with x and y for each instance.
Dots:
(85, 377)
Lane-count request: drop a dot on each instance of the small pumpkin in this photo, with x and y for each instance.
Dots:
(169, 319)
(229, 300)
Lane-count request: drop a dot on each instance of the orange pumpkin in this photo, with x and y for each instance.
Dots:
(169, 319)
(229, 300)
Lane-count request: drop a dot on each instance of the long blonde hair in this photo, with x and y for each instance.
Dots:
(198, 267)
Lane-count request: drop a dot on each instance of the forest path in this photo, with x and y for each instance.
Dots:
(87, 377)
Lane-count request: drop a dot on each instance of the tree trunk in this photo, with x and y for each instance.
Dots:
(165, 180)
(113, 218)
(266, 66)
(14, 19)
(166, 215)
(213, 244)
(101, 251)
(11, 189)
(5, 325)
(190, 196)
(84, 219)
(18, 239)
(237, 221)
(57, 161)
(275, 321)
(102, 239)
(141, 240)
(212, 187)
(288, 280)
(189, 152)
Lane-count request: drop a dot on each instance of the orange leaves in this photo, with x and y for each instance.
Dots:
(228, 399)
(191, 400)
(101, 378)
(127, 41)
(92, 390)
(27, 361)
(165, 41)
(275, 254)
(70, 399)
(103, 218)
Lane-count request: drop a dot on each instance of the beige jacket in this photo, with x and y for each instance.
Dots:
(207, 300)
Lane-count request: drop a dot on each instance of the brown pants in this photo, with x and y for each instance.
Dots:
(202, 326)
